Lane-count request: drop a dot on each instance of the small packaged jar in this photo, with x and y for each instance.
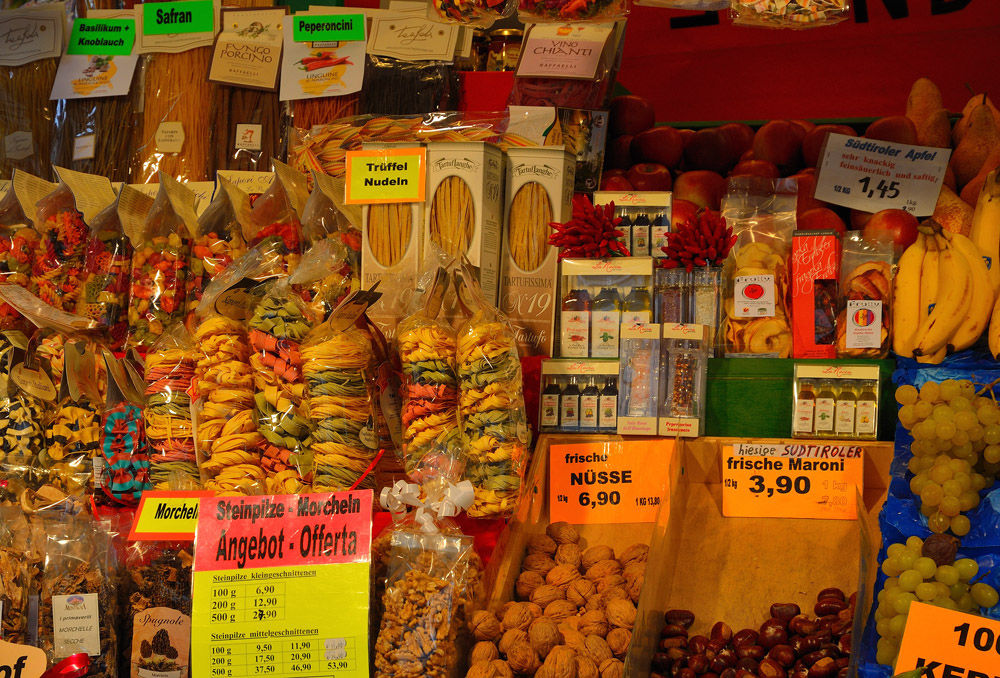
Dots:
(832, 400)
(638, 379)
(505, 49)
(672, 291)
(685, 351)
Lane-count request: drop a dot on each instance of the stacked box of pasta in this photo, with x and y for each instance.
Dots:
(464, 208)
(539, 191)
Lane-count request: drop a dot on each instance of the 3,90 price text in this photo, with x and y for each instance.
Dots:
(782, 485)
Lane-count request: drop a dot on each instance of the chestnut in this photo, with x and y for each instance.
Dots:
(683, 618)
(785, 611)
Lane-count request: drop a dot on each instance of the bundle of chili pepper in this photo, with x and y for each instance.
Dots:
(323, 60)
(702, 240)
(592, 233)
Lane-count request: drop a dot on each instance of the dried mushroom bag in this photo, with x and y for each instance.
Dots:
(107, 276)
(219, 240)
(57, 269)
(433, 584)
(864, 308)
(169, 372)
(761, 213)
(156, 629)
(495, 434)
(274, 219)
(79, 581)
(160, 263)
(17, 574)
(794, 14)
(125, 468)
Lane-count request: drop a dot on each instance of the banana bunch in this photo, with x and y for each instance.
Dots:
(942, 295)
(986, 234)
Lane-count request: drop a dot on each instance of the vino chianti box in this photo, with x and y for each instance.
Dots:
(539, 191)
(464, 207)
(815, 277)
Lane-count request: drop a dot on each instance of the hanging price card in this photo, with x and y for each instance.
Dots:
(268, 571)
(870, 175)
(621, 482)
(950, 644)
(767, 480)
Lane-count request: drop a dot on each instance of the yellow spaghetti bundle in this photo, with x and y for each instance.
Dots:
(25, 108)
(528, 226)
(307, 113)
(389, 230)
(452, 216)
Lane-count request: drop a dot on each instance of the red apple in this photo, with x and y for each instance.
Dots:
(780, 142)
(896, 226)
(680, 211)
(858, 219)
(617, 155)
(615, 182)
(649, 176)
(821, 219)
(740, 136)
(755, 168)
(747, 155)
(895, 129)
(812, 145)
(631, 114)
(701, 187)
(710, 149)
(661, 145)
(805, 125)
(806, 189)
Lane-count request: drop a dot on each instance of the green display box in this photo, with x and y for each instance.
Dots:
(752, 397)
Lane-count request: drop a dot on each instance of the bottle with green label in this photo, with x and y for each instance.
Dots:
(606, 320)
(826, 408)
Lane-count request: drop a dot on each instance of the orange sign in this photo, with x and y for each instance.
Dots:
(802, 480)
(21, 661)
(949, 643)
(620, 482)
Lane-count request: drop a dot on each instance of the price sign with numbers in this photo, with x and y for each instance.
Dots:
(801, 480)
(268, 571)
(949, 643)
(870, 175)
(622, 482)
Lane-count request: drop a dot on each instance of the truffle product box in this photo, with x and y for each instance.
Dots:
(815, 276)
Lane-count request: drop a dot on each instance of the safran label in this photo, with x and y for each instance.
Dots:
(386, 176)
(173, 18)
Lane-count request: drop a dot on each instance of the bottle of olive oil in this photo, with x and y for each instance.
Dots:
(847, 402)
(805, 408)
(638, 306)
(867, 414)
(574, 339)
(826, 408)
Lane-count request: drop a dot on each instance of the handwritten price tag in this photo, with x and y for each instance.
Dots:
(608, 482)
(791, 481)
(950, 644)
(870, 175)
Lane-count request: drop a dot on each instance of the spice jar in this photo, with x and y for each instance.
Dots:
(505, 49)
(476, 61)
(672, 289)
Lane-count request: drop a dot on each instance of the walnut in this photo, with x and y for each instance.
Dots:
(537, 562)
(510, 639)
(535, 610)
(546, 594)
(596, 554)
(561, 662)
(618, 641)
(621, 613)
(542, 672)
(506, 606)
(636, 568)
(527, 582)
(543, 636)
(602, 569)
(634, 588)
(611, 581)
(635, 552)
(523, 659)
(501, 669)
(594, 603)
(562, 575)
(579, 591)
(563, 533)
(559, 610)
(586, 668)
(573, 638)
(571, 622)
(518, 617)
(483, 651)
(481, 670)
(612, 668)
(612, 593)
(484, 625)
(594, 623)
(542, 544)
(569, 554)
(597, 648)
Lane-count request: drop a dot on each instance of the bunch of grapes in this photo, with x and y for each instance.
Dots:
(913, 575)
(956, 449)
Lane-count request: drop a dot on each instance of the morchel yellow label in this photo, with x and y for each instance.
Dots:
(167, 515)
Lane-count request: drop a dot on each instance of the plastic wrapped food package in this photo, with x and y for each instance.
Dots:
(18, 243)
(865, 311)
(107, 267)
(27, 112)
(397, 87)
(57, 268)
(16, 572)
(274, 219)
(562, 11)
(125, 475)
(481, 13)
(794, 14)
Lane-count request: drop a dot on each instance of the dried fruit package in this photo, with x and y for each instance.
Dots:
(125, 473)
(79, 581)
(495, 435)
(482, 13)
(274, 219)
(156, 633)
(160, 262)
(863, 321)
(795, 14)
(761, 213)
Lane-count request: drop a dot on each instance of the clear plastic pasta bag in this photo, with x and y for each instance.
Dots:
(397, 87)
(18, 243)
(110, 121)
(576, 11)
(326, 216)
(325, 277)
(495, 434)
(27, 116)
(125, 473)
(57, 268)
(232, 109)
(274, 219)
(482, 13)
(107, 268)
(795, 14)
(865, 304)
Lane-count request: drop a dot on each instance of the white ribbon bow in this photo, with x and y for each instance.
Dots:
(444, 501)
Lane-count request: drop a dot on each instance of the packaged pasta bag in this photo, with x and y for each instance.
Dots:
(399, 87)
(865, 312)
(495, 435)
(123, 471)
(169, 374)
(80, 579)
(57, 267)
(796, 14)
(325, 277)
(481, 13)
(326, 215)
(761, 213)
(274, 219)
(160, 262)
(219, 240)
(575, 11)
(18, 243)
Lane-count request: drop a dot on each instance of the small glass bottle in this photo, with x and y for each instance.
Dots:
(638, 307)
(575, 324)
(640, 236)
(607, 420)
(606, 320)
(671, 289)
(805, 408)
(867, 410)
(826, 408)
(626, 228)
(589, 407)
(569, 407)
(658, 235)
(549, 418)
(847, 402)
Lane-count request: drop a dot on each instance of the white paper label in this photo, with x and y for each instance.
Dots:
(575, 334)
(83, 147)
(608, 416)
(76, 624)
(864, 323)
(640, 241)
(866, 417)
(248, 137)
(754, 296)
(569, 411)
(411, 37)
(804, 410)
(825, 410)
(630, 318)
(31, 33)
(659, 238)
(870, 175)
(169, 137)
(550, 410)
(588, 411)
(321, 69)
(604, 339)
(87, 76)
(98, 472)
(18, 146)
(845, 417)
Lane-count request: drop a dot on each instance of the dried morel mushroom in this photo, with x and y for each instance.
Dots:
(146, 650)
(171, 652)
(161, 642)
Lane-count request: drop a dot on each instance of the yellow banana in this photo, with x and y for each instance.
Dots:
(928, 281)
(986, 228)
(978, 315)
(951, 303)
(906, 310)
(994, 336)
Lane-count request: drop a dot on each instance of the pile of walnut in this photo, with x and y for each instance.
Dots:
(573, 616)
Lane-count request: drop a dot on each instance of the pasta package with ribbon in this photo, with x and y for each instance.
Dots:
(325, 215)
(123, 440)
(275, 220)
(325, 277)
